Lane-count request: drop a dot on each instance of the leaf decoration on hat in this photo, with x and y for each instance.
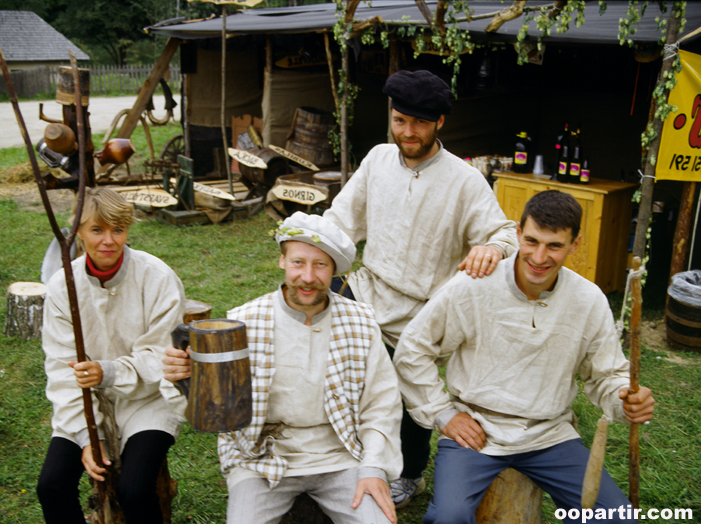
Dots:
(316, 239)
(285, 231)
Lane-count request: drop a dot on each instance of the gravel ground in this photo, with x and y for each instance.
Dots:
(102, 112)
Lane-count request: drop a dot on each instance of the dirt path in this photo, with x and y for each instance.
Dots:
(102, 112)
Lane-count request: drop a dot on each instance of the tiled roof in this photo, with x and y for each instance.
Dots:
(24, 36)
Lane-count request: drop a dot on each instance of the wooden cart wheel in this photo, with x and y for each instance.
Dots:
(174, 147)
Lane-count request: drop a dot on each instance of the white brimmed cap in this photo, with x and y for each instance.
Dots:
(321, 233)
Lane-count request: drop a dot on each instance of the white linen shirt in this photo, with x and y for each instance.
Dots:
(126, 327)
(306, 439)
(513, 362)
(419, 223)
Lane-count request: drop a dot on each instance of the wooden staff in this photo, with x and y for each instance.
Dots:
(635, 317)
(65, 243)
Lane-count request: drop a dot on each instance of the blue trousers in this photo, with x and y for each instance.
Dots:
(462, 476)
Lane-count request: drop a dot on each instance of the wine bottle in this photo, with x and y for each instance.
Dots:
(561, 140)
(564, 164)
(584, 172)
(576, 161)
(523, 143)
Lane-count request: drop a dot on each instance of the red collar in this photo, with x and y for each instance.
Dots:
(103, 276)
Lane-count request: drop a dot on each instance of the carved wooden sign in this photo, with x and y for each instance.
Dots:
(287, 154)
(150, 197)
(212, 191)
(247, 158)
(302, 194)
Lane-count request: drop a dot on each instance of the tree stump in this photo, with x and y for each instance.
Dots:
(512, 498)
(196, 310)
(305, 511)
(25, 310)
(166, 489)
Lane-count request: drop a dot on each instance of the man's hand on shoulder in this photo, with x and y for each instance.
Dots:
(176, 364)
(466, 431)
(637, 407)
(481, 261)
(379, 490)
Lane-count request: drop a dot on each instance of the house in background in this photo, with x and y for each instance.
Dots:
(28, 41)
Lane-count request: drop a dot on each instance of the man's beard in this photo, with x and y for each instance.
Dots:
(423, 149)
(294, 297)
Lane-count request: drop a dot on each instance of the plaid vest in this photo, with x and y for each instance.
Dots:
(352, 325)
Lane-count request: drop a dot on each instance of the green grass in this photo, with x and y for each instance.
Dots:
(228, 264)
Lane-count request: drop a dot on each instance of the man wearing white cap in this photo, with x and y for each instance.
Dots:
(326, 405)
(424, 214)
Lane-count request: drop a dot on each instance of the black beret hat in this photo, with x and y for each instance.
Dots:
(420, 94)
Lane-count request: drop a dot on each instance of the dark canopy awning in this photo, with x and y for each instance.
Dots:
(597, 29)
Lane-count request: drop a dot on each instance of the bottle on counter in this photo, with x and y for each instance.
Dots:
(564, 163)
(576, 160)
(584, 172)
(562, 139)
(523, 143)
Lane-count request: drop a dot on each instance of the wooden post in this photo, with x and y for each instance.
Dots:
(196, 310)
(393, 68)
(25, 308)
(344, 119)
(681, 245)
(645, 207)
(147, 90)
(223, 96)
(635, 317)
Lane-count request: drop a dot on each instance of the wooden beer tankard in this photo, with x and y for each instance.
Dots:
(219, 388)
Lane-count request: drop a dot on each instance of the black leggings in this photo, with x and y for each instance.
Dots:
(136, 491)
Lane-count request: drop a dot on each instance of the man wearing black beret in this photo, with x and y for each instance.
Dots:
(424, 214)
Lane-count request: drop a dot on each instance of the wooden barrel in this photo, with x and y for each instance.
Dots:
(220, 397)
(512, 498)
(309, 136)
(277, 166)
(683, 325)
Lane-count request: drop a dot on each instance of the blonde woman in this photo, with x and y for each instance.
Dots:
(129, 302)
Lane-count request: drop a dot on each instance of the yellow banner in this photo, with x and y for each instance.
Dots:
(679, 157)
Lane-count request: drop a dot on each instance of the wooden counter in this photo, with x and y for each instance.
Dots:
(606, 215)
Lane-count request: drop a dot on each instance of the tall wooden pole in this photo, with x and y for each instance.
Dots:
(645, 207)
(65, 244)
(635, 319)
(344, 119)
(681, 245)
(394, 63)
(227, 164)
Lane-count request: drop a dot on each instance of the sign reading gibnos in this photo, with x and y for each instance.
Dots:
(679, 157)
(302, 194)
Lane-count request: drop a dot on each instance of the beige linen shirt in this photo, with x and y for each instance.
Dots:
(513, 362)
(419, 223)
(126, 327)
(303, 435)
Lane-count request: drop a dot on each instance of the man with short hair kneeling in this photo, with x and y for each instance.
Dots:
(516, 341)
(326, 406)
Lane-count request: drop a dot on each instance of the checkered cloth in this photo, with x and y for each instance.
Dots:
(351, 338)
